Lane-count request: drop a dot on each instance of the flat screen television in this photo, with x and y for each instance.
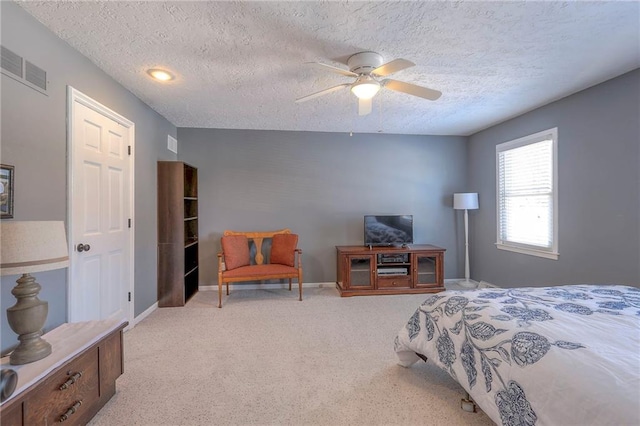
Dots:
(388, 230)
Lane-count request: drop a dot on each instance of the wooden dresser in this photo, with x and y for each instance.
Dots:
(74, 382)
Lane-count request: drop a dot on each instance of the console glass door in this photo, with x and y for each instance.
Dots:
(361, 271)
(425, 270)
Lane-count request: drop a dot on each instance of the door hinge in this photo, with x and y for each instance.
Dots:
(129, 223)
(129, 149)
(129, 296)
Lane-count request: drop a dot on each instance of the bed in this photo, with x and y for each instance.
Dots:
(563, 355)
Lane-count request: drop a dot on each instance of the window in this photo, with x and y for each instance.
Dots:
(527, 195)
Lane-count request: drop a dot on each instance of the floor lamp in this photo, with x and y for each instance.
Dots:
(30, 247)
(466, 201)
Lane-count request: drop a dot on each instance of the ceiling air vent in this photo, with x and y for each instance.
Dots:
(19, 69)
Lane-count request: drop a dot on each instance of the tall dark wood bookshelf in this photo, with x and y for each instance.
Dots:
(177, 233)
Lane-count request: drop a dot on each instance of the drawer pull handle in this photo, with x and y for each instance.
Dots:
(71, 380)
(70, 411)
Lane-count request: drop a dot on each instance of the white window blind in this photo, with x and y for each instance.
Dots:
(526, 188)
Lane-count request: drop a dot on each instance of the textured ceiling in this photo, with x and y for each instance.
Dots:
(241, 65)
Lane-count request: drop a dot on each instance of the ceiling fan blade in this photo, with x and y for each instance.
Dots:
(364, 106)
(411, 89)
(391, 67)
(322, 92)
(334, 69)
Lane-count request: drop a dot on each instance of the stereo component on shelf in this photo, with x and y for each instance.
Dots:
(393, 271)
(393, 258)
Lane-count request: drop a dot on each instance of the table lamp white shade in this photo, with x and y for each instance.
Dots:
(465, 201)
(29, 247)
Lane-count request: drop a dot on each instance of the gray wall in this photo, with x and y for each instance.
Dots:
(34, 140)
(599, 190)
(320, 185)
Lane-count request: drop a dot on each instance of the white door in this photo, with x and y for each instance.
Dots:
(100, 209)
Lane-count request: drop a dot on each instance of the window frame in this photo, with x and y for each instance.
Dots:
(532, 250)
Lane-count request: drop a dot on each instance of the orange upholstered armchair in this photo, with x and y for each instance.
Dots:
(235, 263)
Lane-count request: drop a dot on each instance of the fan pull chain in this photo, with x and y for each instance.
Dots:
(353, 120)
(380, 115)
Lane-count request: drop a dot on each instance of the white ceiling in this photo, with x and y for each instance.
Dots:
(241, 65)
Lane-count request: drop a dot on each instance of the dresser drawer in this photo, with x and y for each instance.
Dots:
(395, 281)
(68, 395)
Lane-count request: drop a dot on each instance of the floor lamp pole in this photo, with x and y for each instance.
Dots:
(467, 282)
(466, 201)
(466, 245)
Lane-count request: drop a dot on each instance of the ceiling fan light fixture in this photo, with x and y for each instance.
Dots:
(365, 87)
(160, 75)
(367, 68)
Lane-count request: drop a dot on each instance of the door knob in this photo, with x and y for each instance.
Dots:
(83, 247)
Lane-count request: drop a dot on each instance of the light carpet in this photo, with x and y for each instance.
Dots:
(267, 359)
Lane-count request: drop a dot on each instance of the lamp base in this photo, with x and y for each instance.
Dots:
(26, 318)
(467, 284)
(32, 348)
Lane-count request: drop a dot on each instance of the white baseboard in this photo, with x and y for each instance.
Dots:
(454, 280)
(241, 286)
(145, 314)
(480, 284)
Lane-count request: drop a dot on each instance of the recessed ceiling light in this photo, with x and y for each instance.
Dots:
(160, 75)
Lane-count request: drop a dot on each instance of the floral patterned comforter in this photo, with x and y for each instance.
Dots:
(564, 355)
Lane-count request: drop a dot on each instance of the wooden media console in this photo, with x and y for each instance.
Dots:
(363, 270)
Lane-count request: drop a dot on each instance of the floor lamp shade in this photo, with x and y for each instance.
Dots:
(466, 201)
(26, 248)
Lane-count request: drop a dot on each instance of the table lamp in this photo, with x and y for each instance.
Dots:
(466, 201)
(26, 248)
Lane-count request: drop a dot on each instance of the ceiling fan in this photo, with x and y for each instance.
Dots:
(367, 67)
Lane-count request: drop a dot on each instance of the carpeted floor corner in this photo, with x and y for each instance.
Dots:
(267, 359)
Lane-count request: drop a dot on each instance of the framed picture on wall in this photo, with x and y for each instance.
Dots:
(6, 191)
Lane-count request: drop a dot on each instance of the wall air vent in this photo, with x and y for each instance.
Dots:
(11, 62)
(35, 75)
(172, 144)
(19, 69)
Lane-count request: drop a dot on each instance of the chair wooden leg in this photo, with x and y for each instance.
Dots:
(219, 294)
(300, 286)
(227, 289)
(289, 284)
